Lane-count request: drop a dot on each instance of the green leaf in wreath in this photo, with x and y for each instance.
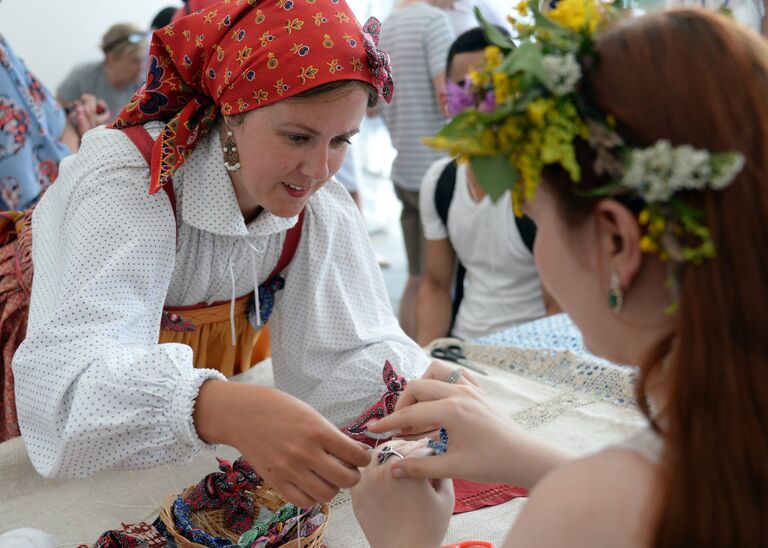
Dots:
(495, 174)
(492, 33)
(526, 59)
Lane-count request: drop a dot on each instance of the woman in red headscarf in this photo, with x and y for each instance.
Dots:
(223, 217)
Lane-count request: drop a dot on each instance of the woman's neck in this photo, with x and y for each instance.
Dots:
(476, 192)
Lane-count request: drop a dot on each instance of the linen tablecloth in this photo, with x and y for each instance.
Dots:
(547, 382)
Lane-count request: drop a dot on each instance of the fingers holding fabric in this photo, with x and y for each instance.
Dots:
(421, 508)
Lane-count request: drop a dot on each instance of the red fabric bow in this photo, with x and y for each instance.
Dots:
(378, 60)
(226, 489)
(384, 406)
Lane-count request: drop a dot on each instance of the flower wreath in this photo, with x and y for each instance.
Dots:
(526, 113)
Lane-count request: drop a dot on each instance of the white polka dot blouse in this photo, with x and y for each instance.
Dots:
(95, 390)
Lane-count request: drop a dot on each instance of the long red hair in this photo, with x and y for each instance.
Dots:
(695, 77)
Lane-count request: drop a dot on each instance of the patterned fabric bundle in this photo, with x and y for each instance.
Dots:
(15, 285)
(240, 55)
(226, 489)
(357, 429)
(282, 527)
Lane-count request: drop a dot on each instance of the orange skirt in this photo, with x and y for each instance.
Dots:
(210, 336)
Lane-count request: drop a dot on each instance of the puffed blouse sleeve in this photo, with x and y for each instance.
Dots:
(333, 327)
(94, 389)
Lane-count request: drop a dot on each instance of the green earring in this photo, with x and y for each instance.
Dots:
(615, 294)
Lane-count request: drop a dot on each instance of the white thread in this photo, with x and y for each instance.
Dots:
(232, 304)
(254, 250)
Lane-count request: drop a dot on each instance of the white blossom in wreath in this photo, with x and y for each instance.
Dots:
(563, 73)
(658, 172)
(725, 169)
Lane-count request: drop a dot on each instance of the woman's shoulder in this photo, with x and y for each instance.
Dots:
(84, 71)
(107, 158)
(112, 148)
(606, 499)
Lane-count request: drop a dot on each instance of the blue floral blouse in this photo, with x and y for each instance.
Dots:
(31, 124)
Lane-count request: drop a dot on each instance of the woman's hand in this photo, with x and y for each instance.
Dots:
(297, 451)
(440, 371)
(482, 446)
(398, 513)
(88, 112)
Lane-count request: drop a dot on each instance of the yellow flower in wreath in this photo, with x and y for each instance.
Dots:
(537, 110)
(493, 58)
(577, 15)
(501, 87)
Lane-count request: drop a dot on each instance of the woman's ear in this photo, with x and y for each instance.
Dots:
(619, 234)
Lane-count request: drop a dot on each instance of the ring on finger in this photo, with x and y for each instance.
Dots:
(387, 452)
(454, 376)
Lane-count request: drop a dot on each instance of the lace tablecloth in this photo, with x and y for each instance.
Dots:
(547, 382)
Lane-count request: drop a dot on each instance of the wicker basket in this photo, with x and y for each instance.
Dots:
(212, 521)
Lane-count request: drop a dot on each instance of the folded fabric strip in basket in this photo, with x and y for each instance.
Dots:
(227, 489)
(134, 535)
(282, 527)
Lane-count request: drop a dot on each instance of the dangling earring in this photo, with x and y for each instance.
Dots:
(615, 294)
(231, 156)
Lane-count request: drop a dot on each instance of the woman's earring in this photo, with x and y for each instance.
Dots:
(231, 156)
(615, 294)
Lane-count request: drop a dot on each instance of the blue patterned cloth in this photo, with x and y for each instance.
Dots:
(556, 332)
(182, 517)
(267, 292)
(439, 447)
(576, 366)
(31, 124)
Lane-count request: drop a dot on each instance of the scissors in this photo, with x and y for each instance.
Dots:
(471, 544)
(454, 353)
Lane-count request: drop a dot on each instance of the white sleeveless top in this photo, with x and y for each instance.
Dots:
(646, 442)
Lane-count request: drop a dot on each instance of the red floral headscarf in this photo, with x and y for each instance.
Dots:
(239, 55)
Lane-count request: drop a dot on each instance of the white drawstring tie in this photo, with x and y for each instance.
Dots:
(254, 273)
(232, 304)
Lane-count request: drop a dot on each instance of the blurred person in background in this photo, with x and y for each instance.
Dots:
(163, 17)
(417, 36)
(35, 132)
(480, 276)
(35, 135)
(114, 79)
(462, 13)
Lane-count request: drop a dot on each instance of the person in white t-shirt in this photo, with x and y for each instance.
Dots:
(463, 18)
(501, 285)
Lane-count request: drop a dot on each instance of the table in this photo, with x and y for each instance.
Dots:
(539, 374)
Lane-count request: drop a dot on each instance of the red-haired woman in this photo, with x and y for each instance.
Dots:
(249, 107)
(663, 266)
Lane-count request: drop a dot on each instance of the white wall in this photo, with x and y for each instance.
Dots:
(54, 35)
